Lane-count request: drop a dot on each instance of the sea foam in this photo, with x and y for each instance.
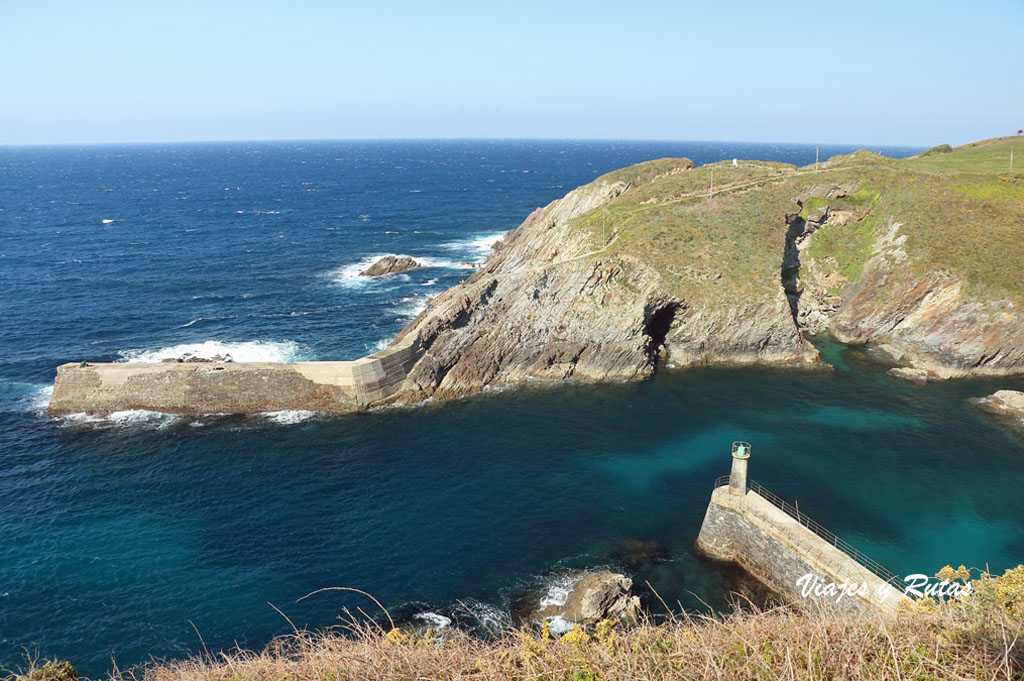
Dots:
(348, 275)
(242, 351)
(289, 416)
(478, 246)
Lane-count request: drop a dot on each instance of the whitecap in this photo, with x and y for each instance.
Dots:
(197, 319)
(477, 246)
(382, 344)
(558, 590)
(33, 398)
(442, 263)
(348, 275)
(411, 306)
(242, 351)
(429, 282)
(559, 626)
(127, 418)
(289, 416)
(434, 619)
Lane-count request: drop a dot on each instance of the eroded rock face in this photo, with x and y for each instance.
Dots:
(389, 264)
(550, 305)
(927, 322)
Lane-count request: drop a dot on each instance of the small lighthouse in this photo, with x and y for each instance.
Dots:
(738, 474)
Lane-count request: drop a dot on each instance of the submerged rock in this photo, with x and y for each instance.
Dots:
(637, 553)
(389, 265)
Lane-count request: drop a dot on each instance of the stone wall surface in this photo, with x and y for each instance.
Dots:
(776, 549)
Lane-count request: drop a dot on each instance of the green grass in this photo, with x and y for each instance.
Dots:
(850, 245)
(989, 156)
(940, 149)
(961, 211)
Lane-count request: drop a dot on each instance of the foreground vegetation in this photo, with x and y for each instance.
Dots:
(971, 638)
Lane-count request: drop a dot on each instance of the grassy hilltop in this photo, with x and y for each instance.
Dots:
(962, 210)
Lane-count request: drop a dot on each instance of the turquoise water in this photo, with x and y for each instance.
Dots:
(118, 535)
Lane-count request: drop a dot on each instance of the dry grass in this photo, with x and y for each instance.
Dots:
(777, 644)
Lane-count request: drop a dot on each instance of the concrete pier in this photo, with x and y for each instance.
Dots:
(749, 526)
(233, 388)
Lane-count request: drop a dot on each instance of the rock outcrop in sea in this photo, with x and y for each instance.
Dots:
(584, 598)
(389, 264)
(1004, 402)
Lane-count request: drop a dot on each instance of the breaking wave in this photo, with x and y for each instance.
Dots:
(478, 246)
(290, 416)
(121, 419)
(243, 351)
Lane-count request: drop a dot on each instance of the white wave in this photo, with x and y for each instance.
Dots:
(429, 282)
(197, 319)
(411, 306)
(120, 419)
(445, 264)
(558, 625)
(434, 619)
(30, 397)
(243, 351)
(348, 275)
(558, 590)
(289, 416)
(382, 344)
(477, 246)
(488, 616)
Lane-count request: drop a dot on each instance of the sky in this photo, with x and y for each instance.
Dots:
(896, 72)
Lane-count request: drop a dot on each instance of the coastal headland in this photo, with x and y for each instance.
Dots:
(667, 264)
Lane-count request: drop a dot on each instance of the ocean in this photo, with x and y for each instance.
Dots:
(132, 536)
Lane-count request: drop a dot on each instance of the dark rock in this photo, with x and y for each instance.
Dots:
(634, 554)
(389, 265)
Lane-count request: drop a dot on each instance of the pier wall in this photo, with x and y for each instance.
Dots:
(233, 387)
(774, 547)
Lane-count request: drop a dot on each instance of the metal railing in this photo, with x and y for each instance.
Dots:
(827, 535)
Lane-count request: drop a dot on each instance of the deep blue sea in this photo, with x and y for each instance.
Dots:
(122, 537)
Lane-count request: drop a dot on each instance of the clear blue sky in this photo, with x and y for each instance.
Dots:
(871, 72)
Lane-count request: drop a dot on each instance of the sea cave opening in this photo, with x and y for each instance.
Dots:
(657, 324)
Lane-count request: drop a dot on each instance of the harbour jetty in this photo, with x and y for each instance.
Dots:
(789, 552)
(233, 387)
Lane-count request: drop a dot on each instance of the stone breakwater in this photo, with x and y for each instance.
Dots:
(775, 548)
(233, 388)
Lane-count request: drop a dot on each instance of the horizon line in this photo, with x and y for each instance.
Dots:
(7, 145)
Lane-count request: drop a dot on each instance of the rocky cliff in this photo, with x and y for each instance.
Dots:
(557, 301)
